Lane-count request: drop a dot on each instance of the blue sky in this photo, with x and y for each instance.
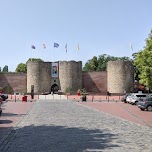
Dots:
(98, 26)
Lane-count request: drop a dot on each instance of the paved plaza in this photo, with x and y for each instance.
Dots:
(68, 126)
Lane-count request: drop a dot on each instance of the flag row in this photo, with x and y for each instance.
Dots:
(56, 45)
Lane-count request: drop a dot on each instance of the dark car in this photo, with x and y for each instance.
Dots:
(145, 103)
(123, 99)
(4, 96)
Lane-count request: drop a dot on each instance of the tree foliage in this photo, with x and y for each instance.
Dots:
(22, 67)
(5, 69)
(143, 62)
(100, 63)
(34, 59)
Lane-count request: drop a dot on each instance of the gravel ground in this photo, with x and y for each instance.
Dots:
(67, 126)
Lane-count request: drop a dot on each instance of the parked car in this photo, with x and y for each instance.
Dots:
(128, 98)
(1, 101)
(135, 96)
(124, 97)
(145, 103)
(4, 96)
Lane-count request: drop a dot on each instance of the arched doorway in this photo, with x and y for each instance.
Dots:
(54, 88)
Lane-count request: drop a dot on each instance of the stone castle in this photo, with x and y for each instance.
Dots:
(68, 76)
(63, 75)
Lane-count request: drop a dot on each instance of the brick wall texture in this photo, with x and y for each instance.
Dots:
(13, 82)
(95, 82)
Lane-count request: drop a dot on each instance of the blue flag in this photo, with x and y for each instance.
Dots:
(56, 45)
(33, 47)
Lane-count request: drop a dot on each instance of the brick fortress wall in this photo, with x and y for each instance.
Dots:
(95, 82)
(119, 78)
(13, 82)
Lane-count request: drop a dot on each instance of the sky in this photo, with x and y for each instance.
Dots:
(97, 26)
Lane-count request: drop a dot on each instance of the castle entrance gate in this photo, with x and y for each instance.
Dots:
(54, 88)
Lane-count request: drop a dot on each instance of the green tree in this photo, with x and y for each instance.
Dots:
(100, 63)
(143, 62)
(5, 69)
(22, 67)
(87, 66)
(94, 63)
(34, 59)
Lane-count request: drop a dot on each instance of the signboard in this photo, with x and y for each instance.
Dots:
(54, 69)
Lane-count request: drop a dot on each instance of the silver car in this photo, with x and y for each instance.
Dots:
(135, 97)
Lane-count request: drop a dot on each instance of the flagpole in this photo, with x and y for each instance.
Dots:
(31, 54)
(42, 52)
(66, 51)
(78, 55)
(42, 55)
(54, 54)
(56, 45)
(32, 47)
(78, 48)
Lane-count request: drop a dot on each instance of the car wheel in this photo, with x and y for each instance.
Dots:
(149, 108)
(141, 109)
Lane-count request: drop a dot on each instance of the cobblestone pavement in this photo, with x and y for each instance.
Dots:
(66, 126)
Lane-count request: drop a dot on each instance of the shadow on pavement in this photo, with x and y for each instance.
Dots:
(12, 115)
(5, 121)
(60, 138)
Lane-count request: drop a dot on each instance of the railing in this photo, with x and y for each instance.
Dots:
(90, 98)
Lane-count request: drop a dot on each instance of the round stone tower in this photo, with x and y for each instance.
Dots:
(120, 76)
(38, 75)
(70, 75)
